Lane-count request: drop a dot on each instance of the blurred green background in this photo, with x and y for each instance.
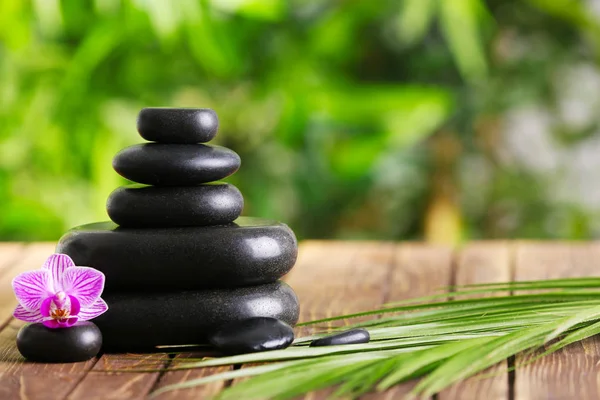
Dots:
(443, 120)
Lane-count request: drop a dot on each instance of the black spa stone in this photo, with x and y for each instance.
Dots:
(79, 342)
(175, 164)
(352, 336)
(138, 322)
(252, 335)
(157, 206)
(177, 125)
(249, 251)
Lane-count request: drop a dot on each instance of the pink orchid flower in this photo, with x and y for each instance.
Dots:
(59, 294)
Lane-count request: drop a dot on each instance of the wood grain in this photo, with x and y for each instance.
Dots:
(25, 380)
(333, 278)
(102, 385)
(9, 255)
(418, 270)
(197, 392)
(572, 373)
(479, 263)
(13, 260)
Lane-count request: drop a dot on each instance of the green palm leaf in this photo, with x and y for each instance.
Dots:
(441, 341)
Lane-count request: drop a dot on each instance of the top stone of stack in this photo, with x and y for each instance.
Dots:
(178, 125)
(182, 171)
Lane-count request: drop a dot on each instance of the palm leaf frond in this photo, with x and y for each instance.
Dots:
(442, 341)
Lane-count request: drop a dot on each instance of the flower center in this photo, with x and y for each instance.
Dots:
(60, 309)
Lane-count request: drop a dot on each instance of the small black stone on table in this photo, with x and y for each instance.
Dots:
(253, 335)
(352, 336)
(79, 342)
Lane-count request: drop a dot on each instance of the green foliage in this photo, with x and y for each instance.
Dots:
(329, 104)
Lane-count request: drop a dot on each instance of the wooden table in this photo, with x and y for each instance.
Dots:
(331, 278)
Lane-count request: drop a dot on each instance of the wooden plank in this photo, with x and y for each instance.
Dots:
(418, 270)
(9, 255)
(324, 276)
(479, 263)
(102, 385)
(197, 392)
(352, 285)
(19, 379)
(571, 373)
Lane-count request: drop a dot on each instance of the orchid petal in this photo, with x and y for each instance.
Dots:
(27, 315)
(51, 323)
(87, 313)
(75, 306)
(57, 265)
(45, 307)
(71, 321)
(84, 283)
(32, 288)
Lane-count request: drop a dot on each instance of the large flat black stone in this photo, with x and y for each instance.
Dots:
(175, 164)
(177, 125)
(248, 252)
(138, 322)
(157, 206)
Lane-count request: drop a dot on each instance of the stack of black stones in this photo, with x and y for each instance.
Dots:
(181, 266)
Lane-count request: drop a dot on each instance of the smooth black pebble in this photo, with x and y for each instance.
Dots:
(352, 336)
(252, 335)
(177, 125)
(157, 206)
(175, 164)
(139, 322)
(79, 342)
